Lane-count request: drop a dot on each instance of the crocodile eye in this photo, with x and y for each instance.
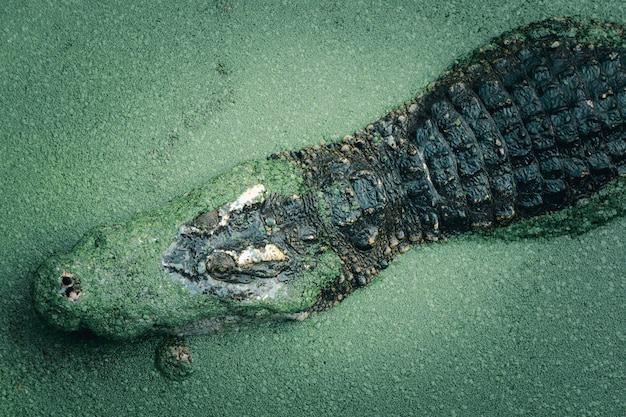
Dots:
(220, 265)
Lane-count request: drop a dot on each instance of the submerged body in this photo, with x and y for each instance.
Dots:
(533, 122)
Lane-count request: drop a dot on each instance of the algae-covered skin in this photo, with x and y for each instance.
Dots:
(114, 284)
(530, 124)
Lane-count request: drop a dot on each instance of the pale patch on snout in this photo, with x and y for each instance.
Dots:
(254, 194)
(250, 255)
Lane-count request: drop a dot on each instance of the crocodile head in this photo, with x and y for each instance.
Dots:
(247, 250)
(259, 256)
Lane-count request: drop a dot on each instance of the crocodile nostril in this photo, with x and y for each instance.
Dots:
(69, 286)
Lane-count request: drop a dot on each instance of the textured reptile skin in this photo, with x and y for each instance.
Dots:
(530, 124)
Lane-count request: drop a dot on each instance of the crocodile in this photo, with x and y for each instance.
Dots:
(530, 123)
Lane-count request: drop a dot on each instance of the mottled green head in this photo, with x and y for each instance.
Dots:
(258, 256)
(247, 251)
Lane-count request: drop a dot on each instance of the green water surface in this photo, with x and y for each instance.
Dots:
(111, 108)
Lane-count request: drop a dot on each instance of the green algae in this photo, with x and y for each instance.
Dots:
(389, 350)
(122, 290)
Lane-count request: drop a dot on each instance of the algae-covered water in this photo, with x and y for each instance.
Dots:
(111, 108)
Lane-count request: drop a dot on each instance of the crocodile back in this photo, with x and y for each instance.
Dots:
(531, 123)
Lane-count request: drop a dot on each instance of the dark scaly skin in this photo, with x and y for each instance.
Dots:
(532, 124)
